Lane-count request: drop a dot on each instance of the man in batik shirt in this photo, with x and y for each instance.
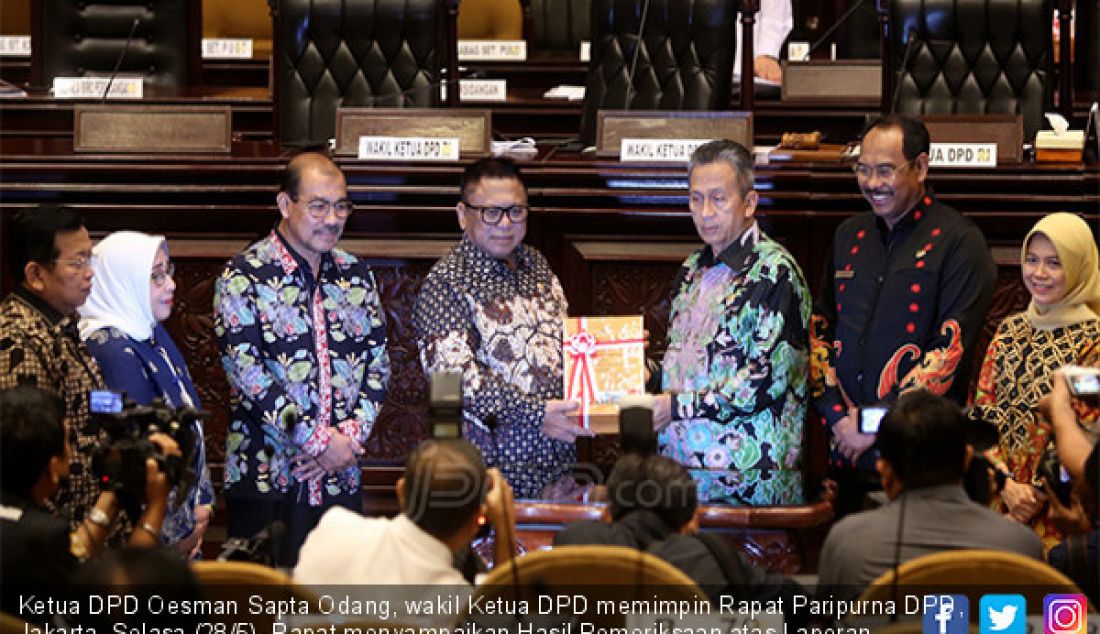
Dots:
(493, 310)
(734, 374)
(303, 343)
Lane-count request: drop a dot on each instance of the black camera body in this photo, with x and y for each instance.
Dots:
(1057, 478)
(119, 464)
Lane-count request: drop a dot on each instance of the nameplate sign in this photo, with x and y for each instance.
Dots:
(93, 87)
(406, 148)
(483, 90)
(226, 48)
(613, 126)
(15, 46)
(658, 150)
(1006, 131)
(492, 50)
(586, 51)
(144, 128)
(962, 155)
(473, 127)
(823, 80)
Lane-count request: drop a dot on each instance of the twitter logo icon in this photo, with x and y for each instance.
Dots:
(1003, 614)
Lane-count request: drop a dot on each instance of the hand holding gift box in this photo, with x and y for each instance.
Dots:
(604, 361)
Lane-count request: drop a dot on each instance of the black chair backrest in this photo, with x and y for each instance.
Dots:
(1087, 42)
(685, 60)
(974, 57)
(372, 53)
(559, 25)
(86, 39)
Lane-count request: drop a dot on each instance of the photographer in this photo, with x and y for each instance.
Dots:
(39, 552)
(1079, 454)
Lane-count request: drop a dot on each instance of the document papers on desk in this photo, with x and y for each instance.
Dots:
(565, 91)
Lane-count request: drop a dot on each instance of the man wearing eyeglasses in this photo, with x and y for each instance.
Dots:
(50, 254)
(493, 310)
(303, 343)
(903, 298)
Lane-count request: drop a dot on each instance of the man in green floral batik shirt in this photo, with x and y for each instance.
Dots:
(734, 376)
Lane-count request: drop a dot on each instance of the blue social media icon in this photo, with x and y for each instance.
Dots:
(945, 614)
(1003, 614)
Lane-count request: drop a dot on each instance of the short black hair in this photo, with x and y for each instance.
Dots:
(731, 153)
(914, 134)
(445, 485)
(488, 168)
(156, 577)
(34, 235)
(654, 483)
(32, 432)
(292, 175)
(923, 437)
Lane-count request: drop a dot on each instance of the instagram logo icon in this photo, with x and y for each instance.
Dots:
(1064, 614)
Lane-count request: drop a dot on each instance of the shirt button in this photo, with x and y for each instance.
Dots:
(880, 278)
(859, 377)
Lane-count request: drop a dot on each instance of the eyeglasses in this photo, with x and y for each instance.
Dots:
(493, 215)
(319, 207)
(81, 263)
(884, 171)
(159, 277)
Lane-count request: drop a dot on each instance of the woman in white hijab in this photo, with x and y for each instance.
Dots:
(121, 325)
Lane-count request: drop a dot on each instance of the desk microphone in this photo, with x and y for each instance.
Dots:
(832, 29)
(909, 37)
(637, 49)
(122, 56)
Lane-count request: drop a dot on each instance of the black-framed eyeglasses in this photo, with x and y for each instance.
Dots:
(159, 277)
(884, 171)
(80, 263)
(319, 207)
(493, 215)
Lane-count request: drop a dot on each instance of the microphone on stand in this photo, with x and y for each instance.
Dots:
(909, 37)
(637, 49)
(122, 56)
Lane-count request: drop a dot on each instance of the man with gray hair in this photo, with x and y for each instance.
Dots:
(734, 375)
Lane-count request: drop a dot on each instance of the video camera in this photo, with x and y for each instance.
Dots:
(119, 465)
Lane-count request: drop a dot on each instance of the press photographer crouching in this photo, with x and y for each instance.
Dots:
(39, 552)
(1070, 474)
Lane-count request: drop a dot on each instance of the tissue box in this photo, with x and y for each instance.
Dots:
(604, 361)
(1059, 148)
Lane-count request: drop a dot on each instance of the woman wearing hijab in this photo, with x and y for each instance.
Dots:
(1059, 263)
(121, 325)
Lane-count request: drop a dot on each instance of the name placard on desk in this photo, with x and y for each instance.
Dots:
(397, 148)
(658, 150)
(962, 155)
(492, 50)
(145, 128)
(613, 126)
(1006, 131)
(226, 48)
(483, 90)
(472, 127)
(15, 46)
(93, 87)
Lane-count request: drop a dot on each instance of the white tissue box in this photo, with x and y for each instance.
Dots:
(1061, 148)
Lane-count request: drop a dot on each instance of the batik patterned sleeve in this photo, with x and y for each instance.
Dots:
(762, 347)
(824, 387)
(372, 389)
(969, 276)
(448, 341)
(22, 361)
(260, 383)
(122, 370)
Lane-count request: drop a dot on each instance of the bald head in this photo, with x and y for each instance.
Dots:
(312, 162)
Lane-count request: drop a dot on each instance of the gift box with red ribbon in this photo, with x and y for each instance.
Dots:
(604, 361)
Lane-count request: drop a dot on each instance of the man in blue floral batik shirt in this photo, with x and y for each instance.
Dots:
(303, 342)
(734, 376)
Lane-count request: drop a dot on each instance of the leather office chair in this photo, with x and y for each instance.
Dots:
(78, 39)
(972, 57)
(559, 25)
(975, 572)
(685, 61)
(382, 53)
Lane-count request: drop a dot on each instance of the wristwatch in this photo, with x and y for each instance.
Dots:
(98, 517)
(1001, 478)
